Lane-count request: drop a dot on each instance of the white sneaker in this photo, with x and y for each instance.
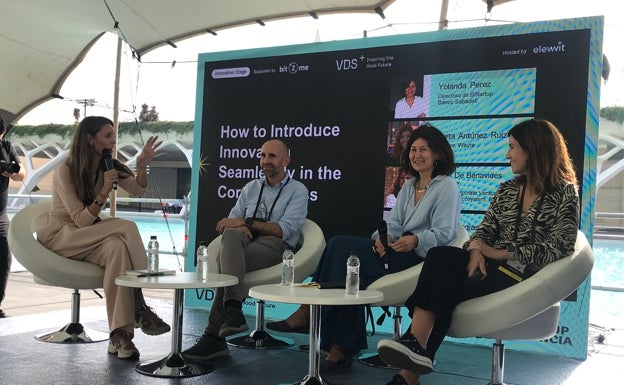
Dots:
(121, 344)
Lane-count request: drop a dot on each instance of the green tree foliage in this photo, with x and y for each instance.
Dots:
(614, 114)
(62, 130)
(66, 131)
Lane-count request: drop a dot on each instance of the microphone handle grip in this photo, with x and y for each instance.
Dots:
(108, 164)
(383, 238)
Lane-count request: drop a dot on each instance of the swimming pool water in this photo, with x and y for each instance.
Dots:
(609, 263)
(170, 236)
(607, 307)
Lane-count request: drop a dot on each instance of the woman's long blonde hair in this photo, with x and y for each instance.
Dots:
(81, 158)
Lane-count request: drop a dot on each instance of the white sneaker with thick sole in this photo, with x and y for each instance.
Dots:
(121, 345)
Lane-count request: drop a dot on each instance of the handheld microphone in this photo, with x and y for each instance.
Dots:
(108, 163)
(382, 229)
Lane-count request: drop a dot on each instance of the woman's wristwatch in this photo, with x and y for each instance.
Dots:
(97, 202)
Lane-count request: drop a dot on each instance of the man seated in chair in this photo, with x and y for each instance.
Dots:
(267, 219)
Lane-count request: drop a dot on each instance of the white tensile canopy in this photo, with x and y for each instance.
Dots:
(42, 41)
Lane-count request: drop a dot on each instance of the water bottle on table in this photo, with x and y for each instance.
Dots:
(202, 262)
(152, 255)
(288, 268)
(352, 286)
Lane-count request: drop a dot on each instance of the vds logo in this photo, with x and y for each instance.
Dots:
(346, 64)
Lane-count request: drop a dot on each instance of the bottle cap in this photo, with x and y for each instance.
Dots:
(153, 237)
(203, 243)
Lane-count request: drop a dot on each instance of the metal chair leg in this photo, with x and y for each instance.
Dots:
(73, 332)
(372, 359)
(498, 363)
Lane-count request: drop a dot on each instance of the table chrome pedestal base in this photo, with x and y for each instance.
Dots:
(259, 339)
(310, 380)
(73, 333)
(174, 365)
(314, 298)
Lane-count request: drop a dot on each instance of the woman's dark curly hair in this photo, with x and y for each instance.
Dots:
(445, 164)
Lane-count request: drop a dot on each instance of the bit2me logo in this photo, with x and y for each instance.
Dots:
(293, 68)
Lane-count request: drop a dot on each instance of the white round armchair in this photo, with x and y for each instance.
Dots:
(49, 268)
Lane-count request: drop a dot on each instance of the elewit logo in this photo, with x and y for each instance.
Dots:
(559, 47)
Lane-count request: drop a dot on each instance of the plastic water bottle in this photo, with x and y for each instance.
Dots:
(152, 255)
(352, 286)
(202, 262)
(288, 268)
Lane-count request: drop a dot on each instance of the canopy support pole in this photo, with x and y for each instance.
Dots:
(113, 197)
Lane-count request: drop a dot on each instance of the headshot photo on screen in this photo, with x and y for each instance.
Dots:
(413, 102)
(397, 141)
(395, 177)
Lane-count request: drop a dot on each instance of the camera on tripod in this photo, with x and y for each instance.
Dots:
(12, 168)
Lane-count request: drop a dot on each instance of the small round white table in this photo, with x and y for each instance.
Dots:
(315, 297)
(175, 365)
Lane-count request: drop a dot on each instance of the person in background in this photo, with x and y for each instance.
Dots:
(9, 169)
(426, 214)
(532, 221)
(266, 220)
(76, 228)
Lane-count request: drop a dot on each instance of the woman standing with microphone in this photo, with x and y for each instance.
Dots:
(75, 230)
